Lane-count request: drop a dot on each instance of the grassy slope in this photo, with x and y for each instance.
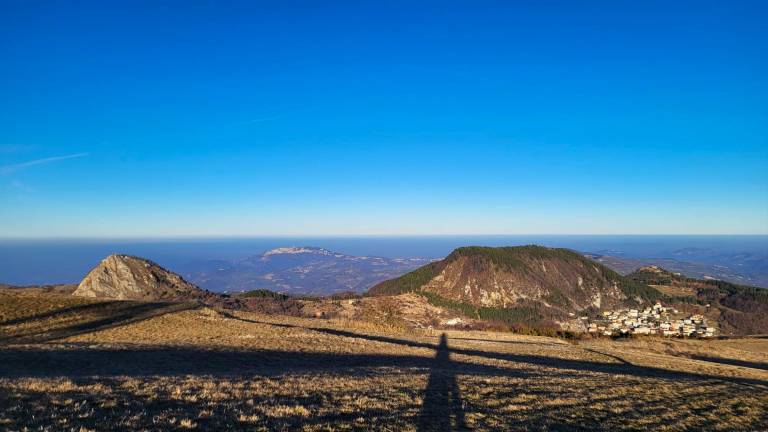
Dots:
(201, 370)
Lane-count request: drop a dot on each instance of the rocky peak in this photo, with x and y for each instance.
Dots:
(126, 277)
(652, 269)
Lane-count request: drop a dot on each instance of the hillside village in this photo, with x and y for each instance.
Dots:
(656, 320)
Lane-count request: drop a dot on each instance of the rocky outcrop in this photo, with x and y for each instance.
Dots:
(125, 277)
(549, 284)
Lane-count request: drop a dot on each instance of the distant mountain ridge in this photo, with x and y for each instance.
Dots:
(745, 272)
(301, 270)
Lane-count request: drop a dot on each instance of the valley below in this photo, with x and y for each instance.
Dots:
(300, 271)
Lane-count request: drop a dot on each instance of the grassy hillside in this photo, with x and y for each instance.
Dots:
(203, 370)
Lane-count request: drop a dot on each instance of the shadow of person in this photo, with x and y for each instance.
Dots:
(442, 408)
(623, 367)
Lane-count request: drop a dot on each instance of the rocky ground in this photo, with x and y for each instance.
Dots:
(81, 364)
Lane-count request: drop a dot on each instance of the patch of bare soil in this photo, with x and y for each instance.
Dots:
(675, 291)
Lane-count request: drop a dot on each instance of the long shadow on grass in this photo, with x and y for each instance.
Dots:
(102, 316)
(83, 308)
(77, 360)
(732, 362)
(622, 367)
(442, 408)
(529, 343)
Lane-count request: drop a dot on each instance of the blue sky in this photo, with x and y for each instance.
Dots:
(326, 118)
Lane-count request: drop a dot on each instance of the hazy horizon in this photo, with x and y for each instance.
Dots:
(38, 261)
(299, 236)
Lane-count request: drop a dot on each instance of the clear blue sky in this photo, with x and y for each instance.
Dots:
(320, 118)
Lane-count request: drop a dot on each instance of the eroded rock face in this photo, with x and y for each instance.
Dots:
(124, 277)
(569, 282)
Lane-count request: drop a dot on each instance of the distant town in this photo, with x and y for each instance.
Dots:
(656, 320)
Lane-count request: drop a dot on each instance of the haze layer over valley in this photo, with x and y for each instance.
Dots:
(301, 270)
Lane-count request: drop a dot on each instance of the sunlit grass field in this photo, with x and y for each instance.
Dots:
(74, 364)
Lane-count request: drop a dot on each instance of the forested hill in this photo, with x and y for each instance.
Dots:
(549, 284)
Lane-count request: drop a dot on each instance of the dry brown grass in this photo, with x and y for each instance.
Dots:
(31, 317)
(676, 291)
(750, 353)
(199, 369)
(396, 312)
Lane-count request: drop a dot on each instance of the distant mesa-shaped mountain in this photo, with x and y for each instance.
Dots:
(299, 250)
(301, 270)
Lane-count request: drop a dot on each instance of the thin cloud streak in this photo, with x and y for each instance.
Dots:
(262, 119)
(8, 169)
